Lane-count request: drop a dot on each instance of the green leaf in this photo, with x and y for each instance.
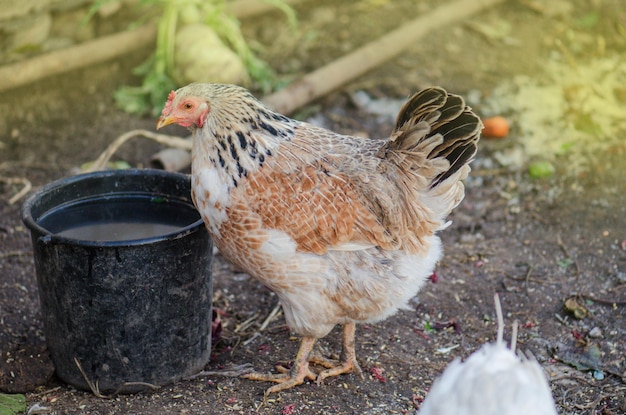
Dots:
(93, 9)
(156, 71)
(565, 147)
(146, 67)
(132, 100)
(541, 169)
(287, 10)
(150, 96)
(586, 124)
(564, 263)
(588, 21)
(12, 404)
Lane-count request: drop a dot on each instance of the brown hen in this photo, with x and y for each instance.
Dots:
(341, 228)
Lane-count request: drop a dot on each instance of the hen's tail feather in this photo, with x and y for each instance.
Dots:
(459, 144)
(433, 113)
(420, 105)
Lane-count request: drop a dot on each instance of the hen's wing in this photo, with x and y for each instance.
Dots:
(329, 191)
(307, 191)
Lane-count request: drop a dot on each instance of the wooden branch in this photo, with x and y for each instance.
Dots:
(102, 49)
(168, 140)
(26, 186)
(88, 53)
(327, 78)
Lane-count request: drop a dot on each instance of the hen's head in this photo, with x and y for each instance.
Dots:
(183, 109)
(192, 105)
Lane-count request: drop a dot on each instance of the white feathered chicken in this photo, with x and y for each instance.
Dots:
(492, 381)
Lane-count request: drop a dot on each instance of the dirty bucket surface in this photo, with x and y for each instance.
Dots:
(123, 265)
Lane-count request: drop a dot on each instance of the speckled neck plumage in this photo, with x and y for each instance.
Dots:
(242, 136)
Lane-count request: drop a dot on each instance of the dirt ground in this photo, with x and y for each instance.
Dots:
(538, 242)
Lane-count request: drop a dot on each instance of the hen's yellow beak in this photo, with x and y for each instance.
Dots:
(163, 121)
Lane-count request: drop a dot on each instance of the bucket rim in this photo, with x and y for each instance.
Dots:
(47, 236)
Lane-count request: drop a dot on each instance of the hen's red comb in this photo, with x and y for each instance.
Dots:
(168, 105)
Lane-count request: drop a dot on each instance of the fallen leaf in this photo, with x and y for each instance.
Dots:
(587, 358)
(573, 306)
(12, 404)
(541, 169)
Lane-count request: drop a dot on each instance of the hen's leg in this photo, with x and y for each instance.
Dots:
(299, 371)
(347, 361)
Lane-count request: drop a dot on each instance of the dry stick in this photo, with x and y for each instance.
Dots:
(272, 315)
(47, 391)
(527, 279)
(88, 53)
(26, 186)
(100, 50)
(602, 300)
(12, 253)
(246, 324)
(96, 390)
(164, 139)
(337, 73)
(233, 371)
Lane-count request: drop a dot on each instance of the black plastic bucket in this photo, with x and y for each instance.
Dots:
(123, 265)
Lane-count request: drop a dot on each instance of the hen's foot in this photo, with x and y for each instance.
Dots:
(294, 377)
(347, 366)
(348, 362)
(289, 378)
(317, 358)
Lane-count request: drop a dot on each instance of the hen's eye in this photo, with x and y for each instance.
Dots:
(187, 105)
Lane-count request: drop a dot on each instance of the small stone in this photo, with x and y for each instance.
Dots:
(595, 333)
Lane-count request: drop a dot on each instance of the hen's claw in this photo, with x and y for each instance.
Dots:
(288, 378)
(347, 366)
(348, 361)
(284, 380)
(296, 376)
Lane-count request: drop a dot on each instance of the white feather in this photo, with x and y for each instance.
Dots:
(351, 246)
(209, 182)
(279, 246)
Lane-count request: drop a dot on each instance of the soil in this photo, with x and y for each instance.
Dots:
(538, 242)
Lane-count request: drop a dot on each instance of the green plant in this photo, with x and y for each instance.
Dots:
(12, 404)
(157, 71)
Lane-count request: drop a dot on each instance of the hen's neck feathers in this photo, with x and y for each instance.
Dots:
(240, 133)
